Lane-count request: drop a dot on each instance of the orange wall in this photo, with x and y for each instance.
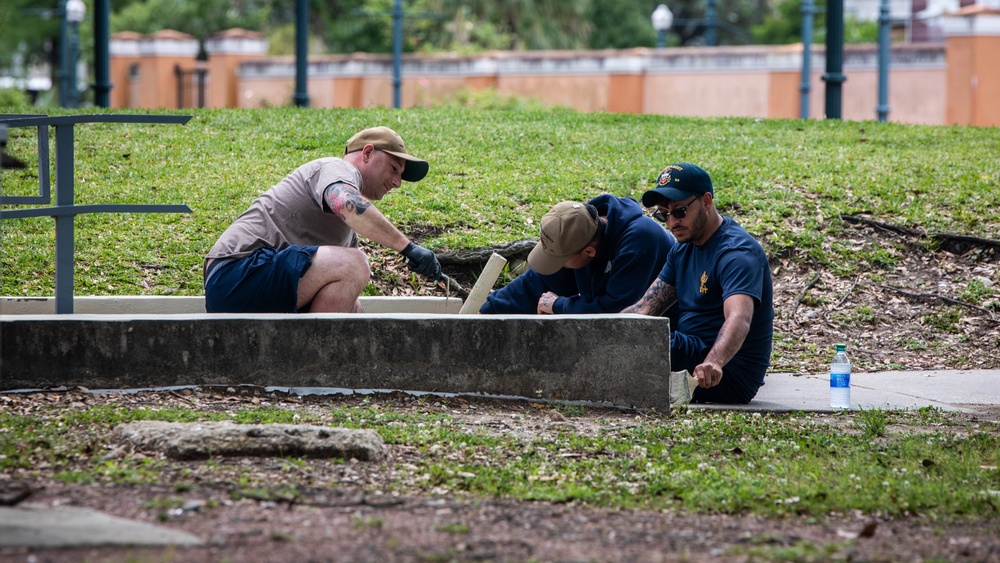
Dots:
(625, 93)
(959, 80)
(785, 100)
(709, 94)
(915, 96)
(156, 84)
(928, 84)
(987, 95)
(118, 68)
(222, 90)
(582, 92)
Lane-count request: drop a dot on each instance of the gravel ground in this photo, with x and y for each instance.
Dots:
(354, 519)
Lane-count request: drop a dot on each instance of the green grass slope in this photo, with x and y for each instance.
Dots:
(493, 174)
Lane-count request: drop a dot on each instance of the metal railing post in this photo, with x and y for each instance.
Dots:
(65, 210)
(64, 223)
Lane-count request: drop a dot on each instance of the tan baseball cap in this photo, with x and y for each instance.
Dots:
(387, 140)
(566, 229)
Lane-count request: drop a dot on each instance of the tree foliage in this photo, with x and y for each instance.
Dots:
(783, 25)
(200, 18)
(29, 32)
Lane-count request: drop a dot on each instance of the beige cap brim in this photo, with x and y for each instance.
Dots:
(545, 263)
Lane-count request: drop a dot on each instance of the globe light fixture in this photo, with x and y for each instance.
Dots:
(662, 18)
(75, 11)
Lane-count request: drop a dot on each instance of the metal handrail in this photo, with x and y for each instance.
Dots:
(65, 210)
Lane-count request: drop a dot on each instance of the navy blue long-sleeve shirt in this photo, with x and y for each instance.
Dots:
(631, 255)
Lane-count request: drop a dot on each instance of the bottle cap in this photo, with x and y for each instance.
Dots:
(841, 347)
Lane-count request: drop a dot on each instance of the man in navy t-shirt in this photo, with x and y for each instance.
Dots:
(594, 257)
(720, 279)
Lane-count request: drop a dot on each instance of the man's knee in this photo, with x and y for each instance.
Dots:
(342, 263)
(357, 265)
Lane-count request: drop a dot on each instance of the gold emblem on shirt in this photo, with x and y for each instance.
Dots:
(704, 278)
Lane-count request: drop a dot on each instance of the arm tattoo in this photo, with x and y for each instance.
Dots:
(341, 198)
(657, 299)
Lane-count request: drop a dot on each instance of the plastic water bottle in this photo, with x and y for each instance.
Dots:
(840, 379)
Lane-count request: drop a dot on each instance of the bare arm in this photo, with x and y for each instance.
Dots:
(738, 310)
(360, 214)
(658, 298)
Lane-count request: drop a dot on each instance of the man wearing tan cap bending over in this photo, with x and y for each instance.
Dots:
(594, 257)
(296, 248)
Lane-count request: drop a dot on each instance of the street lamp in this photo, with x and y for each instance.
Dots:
(663, 18)
(75, 11)
(397, 54)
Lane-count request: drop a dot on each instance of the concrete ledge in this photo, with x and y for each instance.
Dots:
(157, 304)
(618, 359)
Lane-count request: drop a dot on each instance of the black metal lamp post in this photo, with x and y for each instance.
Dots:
(884, 28)
(102, 68)
(301, 96)
(834, 76)
(397, 54)
(710, 23)
(75, 11)
(808, 10)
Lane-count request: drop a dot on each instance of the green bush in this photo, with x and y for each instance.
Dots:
(13, 100)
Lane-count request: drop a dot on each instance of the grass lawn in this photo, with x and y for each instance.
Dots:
(493, 174)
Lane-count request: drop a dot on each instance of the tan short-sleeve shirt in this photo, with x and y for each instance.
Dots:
(292, 213)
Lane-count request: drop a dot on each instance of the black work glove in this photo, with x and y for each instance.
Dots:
(422, 261)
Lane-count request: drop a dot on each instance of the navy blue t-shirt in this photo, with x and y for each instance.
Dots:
(731, 262)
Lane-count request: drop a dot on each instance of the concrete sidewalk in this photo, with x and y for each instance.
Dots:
(31, 525)
(949, 390)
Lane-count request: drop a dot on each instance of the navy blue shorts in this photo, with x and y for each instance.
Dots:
(687, 351)
(267, 281)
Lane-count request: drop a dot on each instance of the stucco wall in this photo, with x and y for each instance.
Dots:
(928, 83)
(713, 94)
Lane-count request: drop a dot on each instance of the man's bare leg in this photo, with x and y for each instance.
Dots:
(334, 281)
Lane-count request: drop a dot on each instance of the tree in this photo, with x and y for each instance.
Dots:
(199, 18)
(622, 24)
(29, 32)
(783, 25)
(531, 24)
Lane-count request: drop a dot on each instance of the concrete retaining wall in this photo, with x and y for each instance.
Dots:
(617, 359)
(156, 304)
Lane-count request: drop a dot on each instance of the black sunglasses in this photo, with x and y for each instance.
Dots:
(677, 212)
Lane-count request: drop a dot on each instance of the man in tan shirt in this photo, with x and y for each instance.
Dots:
(296, 248)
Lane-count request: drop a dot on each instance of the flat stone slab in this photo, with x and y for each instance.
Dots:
(201, 440)
(622, 360)
(31, 525)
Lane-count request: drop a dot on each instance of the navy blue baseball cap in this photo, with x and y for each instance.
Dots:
(678, 182)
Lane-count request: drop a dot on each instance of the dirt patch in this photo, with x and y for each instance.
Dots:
(343, 512)
(370, 528)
